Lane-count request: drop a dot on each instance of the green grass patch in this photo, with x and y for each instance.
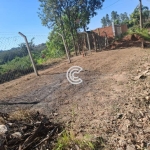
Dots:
(67, 141)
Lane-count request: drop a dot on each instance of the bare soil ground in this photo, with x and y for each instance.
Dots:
(100, 105)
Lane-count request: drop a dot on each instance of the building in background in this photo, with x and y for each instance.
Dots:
(111, 31)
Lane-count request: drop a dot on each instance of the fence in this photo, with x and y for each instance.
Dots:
(96, 42)
(14, 58)
(15, 61)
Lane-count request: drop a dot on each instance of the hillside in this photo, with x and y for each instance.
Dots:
(112, 103)
(20, 51)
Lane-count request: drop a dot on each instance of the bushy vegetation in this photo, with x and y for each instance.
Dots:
(146, 25)
(141, 32)
(131, 20)
(115, 17)
(17, 63)
(68, 19)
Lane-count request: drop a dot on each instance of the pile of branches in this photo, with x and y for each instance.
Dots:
(34, 133)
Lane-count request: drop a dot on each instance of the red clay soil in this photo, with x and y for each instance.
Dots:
(133, 40)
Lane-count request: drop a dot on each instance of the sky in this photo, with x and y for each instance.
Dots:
(21, 16)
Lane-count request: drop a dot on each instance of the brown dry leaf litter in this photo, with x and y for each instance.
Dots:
(33, 131)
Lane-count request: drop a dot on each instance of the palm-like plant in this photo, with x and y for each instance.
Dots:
(145, 12)
(135, 16)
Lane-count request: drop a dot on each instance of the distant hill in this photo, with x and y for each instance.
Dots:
(21, 51)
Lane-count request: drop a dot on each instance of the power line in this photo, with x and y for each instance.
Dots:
(39, 33)
(111, 5)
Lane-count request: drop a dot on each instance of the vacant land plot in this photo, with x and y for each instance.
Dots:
(110, 84)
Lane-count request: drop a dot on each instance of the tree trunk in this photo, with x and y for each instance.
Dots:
(78, 43)
(141, 21)
(84, 46)
(64, 34)
(78, 46)
(84, 28)
(95, 47)
(74, 44)
(99, 44)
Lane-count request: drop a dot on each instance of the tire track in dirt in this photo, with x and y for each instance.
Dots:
(52, 91)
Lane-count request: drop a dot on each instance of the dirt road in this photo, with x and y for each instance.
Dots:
(107, 85)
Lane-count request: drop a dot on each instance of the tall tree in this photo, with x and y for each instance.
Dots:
(103, 21)
(124, 17)
(115, 17)
(140, 11)
(54, 44)
(145, 13)
(52, 13)
(135, 16)
(108, 21)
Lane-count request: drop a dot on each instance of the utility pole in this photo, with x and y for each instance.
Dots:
(140, 10)
(141, 21)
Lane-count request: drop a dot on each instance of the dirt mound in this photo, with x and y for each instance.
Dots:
(132, 37)
(133, 40)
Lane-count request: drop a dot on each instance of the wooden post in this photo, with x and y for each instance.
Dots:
(78, 45)
(141, 21)
(95, 47)
(100, 47)
(88, 41)
(106, 39)
(33, 64)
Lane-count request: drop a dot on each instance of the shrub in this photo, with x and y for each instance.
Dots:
(141, 32)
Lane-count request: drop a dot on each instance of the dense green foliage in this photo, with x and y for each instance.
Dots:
(19, 55)
(115, 17)
(9, 55)
(20, 51)
(17, 63)
(146, 24)
(135, 16)
(55, 47)
(52, 12)
(17, 60)
(69, 16)
(141, 32)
